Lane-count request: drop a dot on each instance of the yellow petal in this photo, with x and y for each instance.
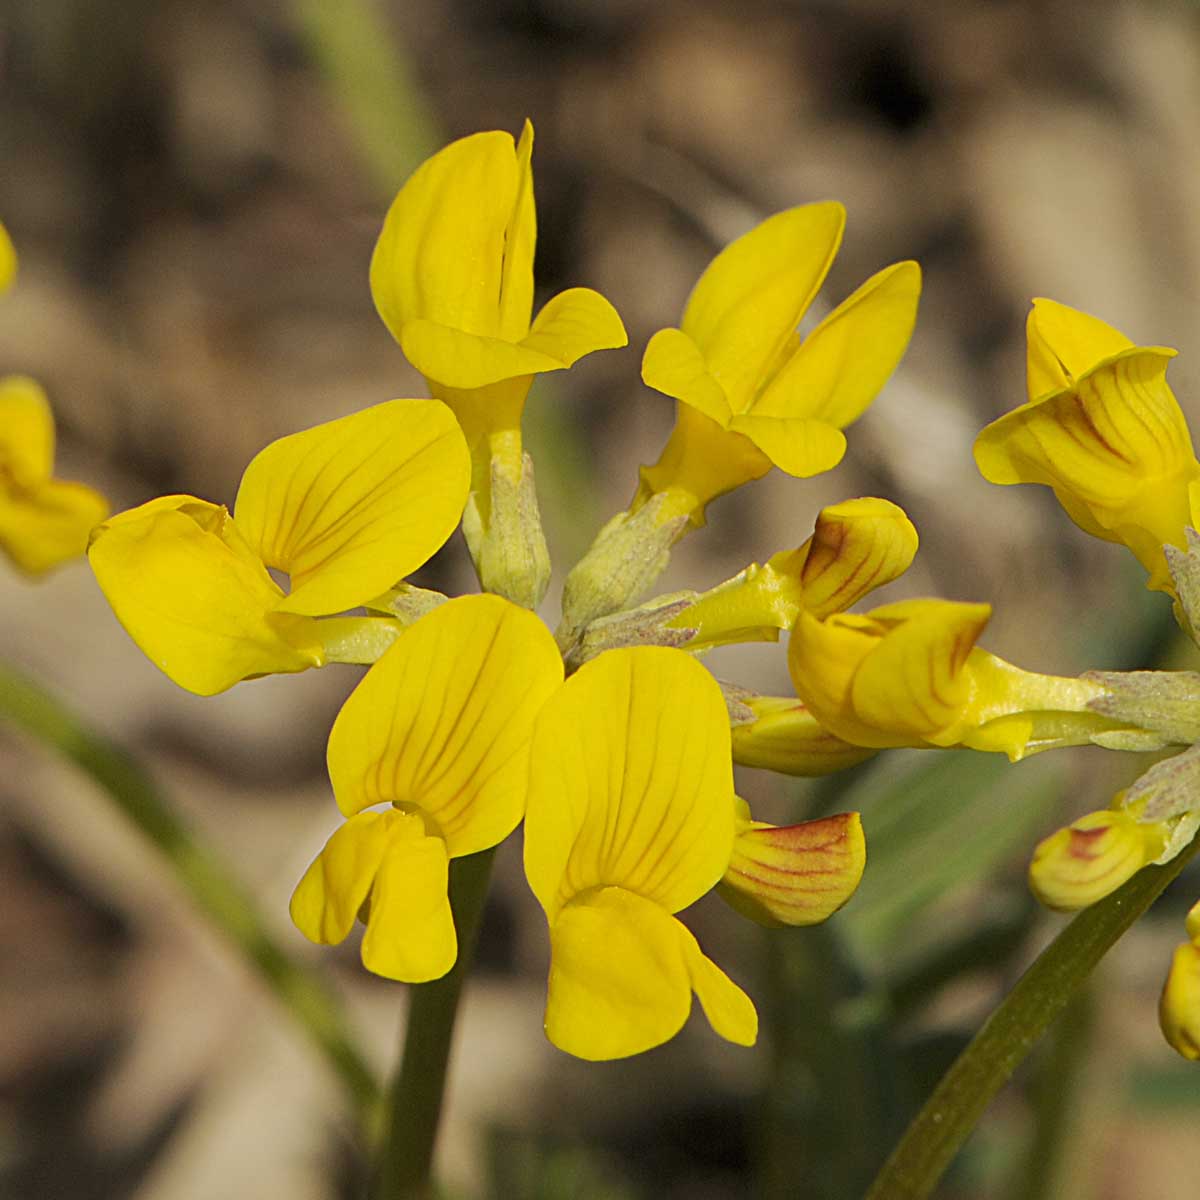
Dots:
(8, 260)
(745, 308)
(410, 929)
(674, 365)
(799, 446)
(332, 890)
(575, 323)
(620, 977)
(352, 506)
(49, 524)
(440, 255)
(1065, 344)
(1091, 858)
(786, 737)
(844, 363)
(443, 720)
(520, 240)
(796, 874)
(195, 598)
(1179, 1007)
(631, 781)
(729, 1010)
(454, 359)
(26, 432)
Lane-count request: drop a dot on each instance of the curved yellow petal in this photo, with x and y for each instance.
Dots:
(329, 895)
(745, 308)
(350, 507)
(729, 1010)
(442, 722)
(1063, 344)
(620, 976)
(520, 240)
(8, 260)
(410, 929)
(631, 782)
(844, 363)
(49, 524)
(796, 874)
(26, 432)
(575, 323)
(455, 359)
(786, 737)
(674, 365)
(194, 597)
(1179, 1005)
(797, 445)
(440, 255)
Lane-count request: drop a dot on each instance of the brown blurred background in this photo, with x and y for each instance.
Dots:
(194, 190)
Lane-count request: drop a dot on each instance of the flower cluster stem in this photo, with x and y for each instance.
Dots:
(951, 1113)
(414, 1104)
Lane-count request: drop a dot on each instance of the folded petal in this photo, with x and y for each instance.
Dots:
(410, 928)
(328, 897)
(520, 239)
(745, 308)
(786, 737)
(8, 260)
(352, 506)
(194, 597)
(843, 364)
(442, 722)
(797, 445)
(1063, 344)
(457, 359)
(796, 874)
(620, 975)
(674, 365)
(729, 1010)
(1179, 1005)
(49, 524)
(575, 323)
(26, 431)
(631, 781)
(440, 255)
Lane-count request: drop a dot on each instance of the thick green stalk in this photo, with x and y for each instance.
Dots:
(415, 1098)
(951, 1113)
(227, 905)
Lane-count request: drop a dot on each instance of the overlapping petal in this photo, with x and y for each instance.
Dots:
(1064, 344)
(784, 736)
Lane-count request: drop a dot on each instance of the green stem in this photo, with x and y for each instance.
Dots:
(951, 1113)
(415, 1097)
(215, 892)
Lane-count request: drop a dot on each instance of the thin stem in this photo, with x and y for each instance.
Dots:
(227, 905)
(417, 1091)
(957, 1103)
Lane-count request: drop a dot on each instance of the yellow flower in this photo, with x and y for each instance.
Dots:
(784, 736)
(452, 278)
(1179, 1006)
(631, 818)
(8, 260)
(1103, 429)
(43, 521)
(909, 674)
(439, 729)
(346, 509)
(752, 392)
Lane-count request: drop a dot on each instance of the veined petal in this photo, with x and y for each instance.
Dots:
(194, 597)
(26, 431)
(330, 893)
(674, 365)
(575, 323)
(410, 929)
(620, 975)
(729, 1010)
(49, 524)
(796, 874)
(797, 445)
(520, 239)
(440, 255)
(786, 737)
(631, 782)
(844, 363)
(461, 360)
(350, 507)
(745, 308)
(8, 260)
(443, 720)
(1063, 344)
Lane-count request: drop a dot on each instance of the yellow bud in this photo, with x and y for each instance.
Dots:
(1179, 1005)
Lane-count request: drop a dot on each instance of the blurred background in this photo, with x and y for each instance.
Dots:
(195, 190)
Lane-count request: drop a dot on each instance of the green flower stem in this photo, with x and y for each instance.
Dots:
(415, 1097)
(951, 1113)
(215, 892)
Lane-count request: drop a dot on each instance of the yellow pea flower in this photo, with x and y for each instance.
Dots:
(8, 260)
(346, 509)
(910, 674)
(439, 728)
(752, 392)
(631, 818)
(1103, 429)
(43, 521)
(784, 736)
(1179, 1005)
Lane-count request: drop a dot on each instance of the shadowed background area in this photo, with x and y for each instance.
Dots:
(195, 191)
